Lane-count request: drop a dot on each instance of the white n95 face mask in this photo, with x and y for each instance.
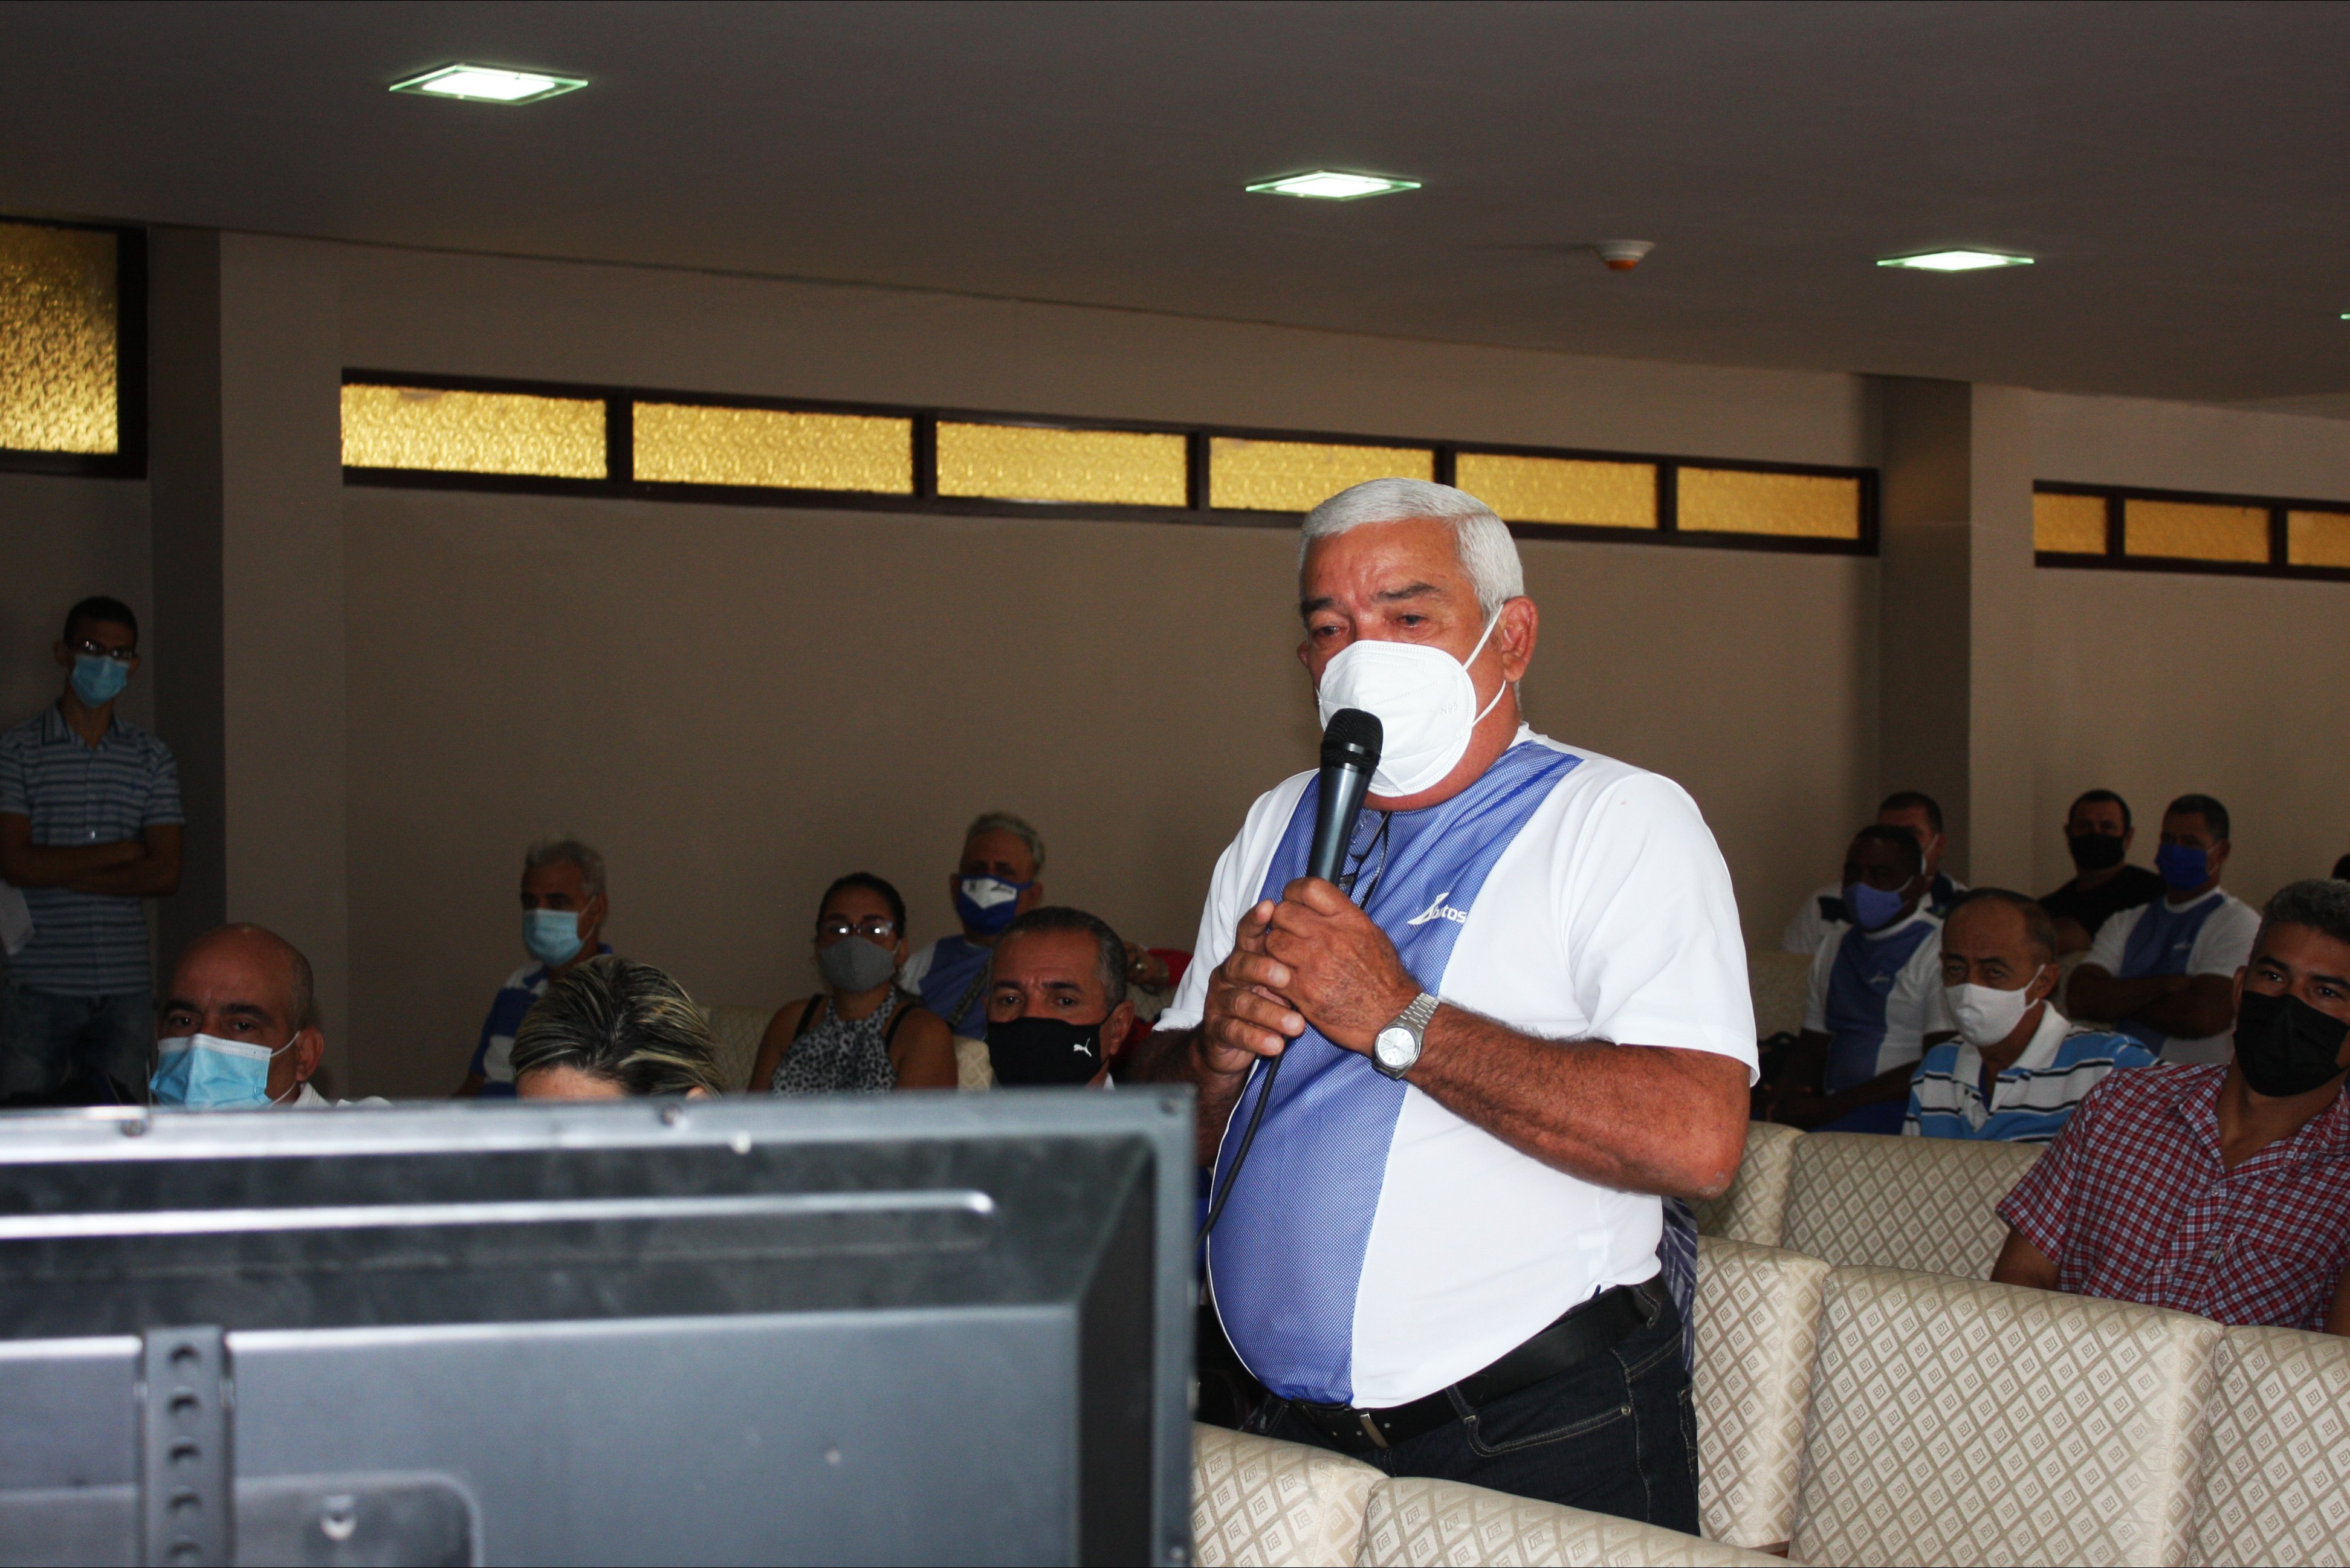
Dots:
(1984, 1016)
(1423, 699)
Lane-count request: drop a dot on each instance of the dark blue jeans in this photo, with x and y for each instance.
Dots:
(1616, 1435)
(46, 1039)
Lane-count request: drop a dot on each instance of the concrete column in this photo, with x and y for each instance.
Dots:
(1955, 686)
(247, 475)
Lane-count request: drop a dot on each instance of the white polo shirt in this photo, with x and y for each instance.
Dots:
(2222, 945)
(1609, 915)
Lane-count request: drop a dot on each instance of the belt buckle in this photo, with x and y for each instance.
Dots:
(1372, 1430)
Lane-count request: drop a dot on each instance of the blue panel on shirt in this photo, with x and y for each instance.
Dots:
(2160, 943)
(954, 964)
(1860, 983)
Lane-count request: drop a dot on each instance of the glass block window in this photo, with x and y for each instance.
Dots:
(57, 317)
(2317, 538)
(680, 443)
(1560, 490)
(1032, 462)
(2068, 524)
(1298, 475)
(472, 432)
(2195, 531)
(1788, 505)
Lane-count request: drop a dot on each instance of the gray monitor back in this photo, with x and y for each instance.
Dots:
(914, 1328)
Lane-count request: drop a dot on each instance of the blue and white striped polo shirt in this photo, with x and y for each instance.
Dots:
(2032, 1100)
(85, 944)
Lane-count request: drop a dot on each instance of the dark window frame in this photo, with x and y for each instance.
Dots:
(128, 458)
(2112, 557)
(622, 485)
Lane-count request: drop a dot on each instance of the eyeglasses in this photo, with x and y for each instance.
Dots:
(874, 927)
(119, 655)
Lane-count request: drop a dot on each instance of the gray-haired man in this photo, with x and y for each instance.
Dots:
(563, 910)
(996, 882)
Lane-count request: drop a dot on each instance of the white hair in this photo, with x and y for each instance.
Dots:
(1480, 539)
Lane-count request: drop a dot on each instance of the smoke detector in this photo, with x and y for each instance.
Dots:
(1623, 255)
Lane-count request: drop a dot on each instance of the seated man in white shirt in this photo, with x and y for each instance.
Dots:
(239, 1028)
(1057, 1002)
(1875, 998)
(2165, 973)
(1914, 811)
(2018, 1067)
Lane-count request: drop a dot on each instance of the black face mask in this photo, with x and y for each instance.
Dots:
(2095, 851)
(2286, 1046)
(1043, 1051)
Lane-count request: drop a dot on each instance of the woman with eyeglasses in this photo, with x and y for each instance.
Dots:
(861, 1033)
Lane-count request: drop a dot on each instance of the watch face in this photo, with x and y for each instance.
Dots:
(1395, 1045)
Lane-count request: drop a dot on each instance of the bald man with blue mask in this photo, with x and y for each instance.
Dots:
(239, 1028)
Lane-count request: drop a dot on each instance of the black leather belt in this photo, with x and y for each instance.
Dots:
(1598, 1325)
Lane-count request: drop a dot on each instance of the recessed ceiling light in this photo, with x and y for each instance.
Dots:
(1330, 186)
(1956, 260)
(490, 84)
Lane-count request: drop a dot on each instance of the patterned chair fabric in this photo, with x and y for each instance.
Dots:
(739, 1032)
(1863, 1201)
(1780, 983)
(1419, 1523)
(1959, 1421)
(1755, 1210)
(973, 1069)
(1268, 1504)
(1758, 1318)
(2275, 1480)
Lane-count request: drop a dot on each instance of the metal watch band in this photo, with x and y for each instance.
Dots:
(1415, 1017)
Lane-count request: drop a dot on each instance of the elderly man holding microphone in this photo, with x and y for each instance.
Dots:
(1516, 1021)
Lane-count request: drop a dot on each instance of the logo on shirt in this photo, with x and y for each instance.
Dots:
(1440, 910)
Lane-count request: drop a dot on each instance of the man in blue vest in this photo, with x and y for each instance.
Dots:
(1518, 1021)
(2165, 973)
(1876, 999)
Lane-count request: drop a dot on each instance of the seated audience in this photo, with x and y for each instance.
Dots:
(1056, 1004)
(2017, 1068)
(996, 882)
(1916, 813)
(863, 1032)
(2097, 831)
(563, 910)
(239, 1028)
(609, 1030)
(1875, 998)
(2164, 973)
(2221, 1191)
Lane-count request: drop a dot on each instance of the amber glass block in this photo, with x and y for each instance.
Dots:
(681, 444)
(2317, 538)
(1791, 505)
(1299, 475)
(57, 339)
(1560, 489)
(2068, 524)
(472, 432)
(2195, 531)
(1027, 463)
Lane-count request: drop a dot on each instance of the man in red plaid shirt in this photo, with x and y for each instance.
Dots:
(2220, 1190)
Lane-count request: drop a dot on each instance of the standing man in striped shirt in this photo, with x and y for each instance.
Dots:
(2017, 1068)
(89, 825)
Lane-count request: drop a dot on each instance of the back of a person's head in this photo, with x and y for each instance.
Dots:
(2214, 815)
(626, 1023)
(1053, 918)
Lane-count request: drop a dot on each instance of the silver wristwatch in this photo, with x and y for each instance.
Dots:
(1396, 1049)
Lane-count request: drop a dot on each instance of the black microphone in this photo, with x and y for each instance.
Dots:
(1351, 754)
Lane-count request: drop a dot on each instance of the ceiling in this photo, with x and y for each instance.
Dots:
(2177, 169)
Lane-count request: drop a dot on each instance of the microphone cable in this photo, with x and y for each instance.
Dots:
(1273, 1063)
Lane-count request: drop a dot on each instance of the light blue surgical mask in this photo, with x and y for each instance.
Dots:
(97, 680)
(551, 935)
(1871, 907)
(205, 1073)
